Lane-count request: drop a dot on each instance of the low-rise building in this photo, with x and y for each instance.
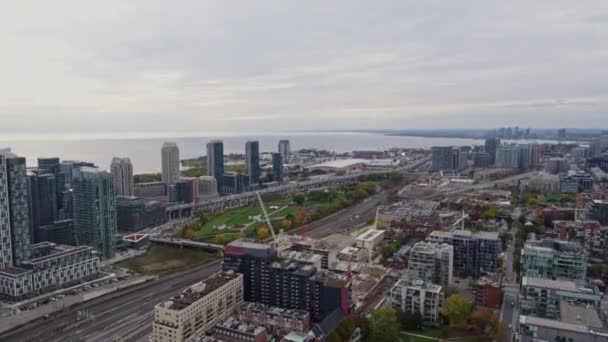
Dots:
(579, 324)
(150, 190)
(51, 267)
(591, 235)
(418, 296)
(277, 321)
(409, 212)
(544, 184)
(232, 330)
(198, 309)
(597, 209)
(542, 297)
(370, 239)
(487, 292)
(432, 263)
(554, 259)
(134, 214)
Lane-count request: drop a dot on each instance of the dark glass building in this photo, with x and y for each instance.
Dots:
(43, 201)
(252, 162)
(491, 146)
(215, 161)
(19, 208)
(135, 214)
(277, 167)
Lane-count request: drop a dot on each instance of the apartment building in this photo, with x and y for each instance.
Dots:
(541, 297)
(554, 259)
(418, 296)
(475, 254)
(432, 263)
(198, 309)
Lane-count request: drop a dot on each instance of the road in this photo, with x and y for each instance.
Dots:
(509, 313)
(345, 218)
(127, 314)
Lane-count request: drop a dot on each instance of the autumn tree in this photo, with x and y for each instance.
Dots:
(457, 309)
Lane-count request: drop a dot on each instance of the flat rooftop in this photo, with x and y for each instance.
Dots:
(11, 271)
(559, 325)
(58, 253)
(576, 314)
(199, 290)
(563, 285)
(339, 164)
(370, 235)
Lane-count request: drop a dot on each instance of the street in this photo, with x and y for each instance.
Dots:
(509, 313)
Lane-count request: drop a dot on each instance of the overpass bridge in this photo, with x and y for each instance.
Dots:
(169, 240)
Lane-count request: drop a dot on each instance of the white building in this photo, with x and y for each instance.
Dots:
(122, 175)
(370, 239)
(544, 183)
(198, 309)
(418, 296)
(170, 163)
(432, 263)
(53, 267)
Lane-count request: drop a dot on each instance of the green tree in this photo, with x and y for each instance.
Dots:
(299, 200)
(457, 309)
(384, 326)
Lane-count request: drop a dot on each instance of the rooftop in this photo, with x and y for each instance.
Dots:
(577, 314)
(559, 325)
(13, 271)
(199, 291)
(430, 247)
(59, 252)
(370, 235)
(234, 324)
(273, 310)
(563, 285)
(339, 164)
(419, 285)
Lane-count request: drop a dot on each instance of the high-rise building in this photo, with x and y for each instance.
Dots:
(252, 162)
(170, 163)
(508, 157)
(561, 134)
(277, 167)
(491, 146)
(95, 211)
(445, 158)
(432, 263)
(134, 214)
(18, 205)
(43, 201)
(6, 248)
(284, 150)
(481, 159)
(215, 162)
(122, 174)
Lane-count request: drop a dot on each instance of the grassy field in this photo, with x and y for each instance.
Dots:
(161, 260)
(436, 333)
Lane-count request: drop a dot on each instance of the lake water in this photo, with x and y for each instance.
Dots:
(145, 152)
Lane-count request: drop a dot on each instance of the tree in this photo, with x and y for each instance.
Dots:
(189, 233)
(457, 309)
(221, 239)
(482, 319)
(384, 326)
(262, 232)
(299, 200)
(203, 219)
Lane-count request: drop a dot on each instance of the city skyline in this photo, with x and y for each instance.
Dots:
(389, 65)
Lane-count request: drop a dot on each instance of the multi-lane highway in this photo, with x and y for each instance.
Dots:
(125, 315)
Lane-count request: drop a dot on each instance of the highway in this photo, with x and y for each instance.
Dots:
(345, 218)
(125, 315)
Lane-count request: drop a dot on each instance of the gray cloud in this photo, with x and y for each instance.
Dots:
(74, 66)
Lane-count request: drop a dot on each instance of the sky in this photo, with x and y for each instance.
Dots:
(187, 66)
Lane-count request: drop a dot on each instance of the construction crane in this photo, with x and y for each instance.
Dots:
(274, 237)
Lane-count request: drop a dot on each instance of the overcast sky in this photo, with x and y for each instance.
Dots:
(202, 66)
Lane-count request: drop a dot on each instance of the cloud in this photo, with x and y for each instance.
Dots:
(74, 66)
